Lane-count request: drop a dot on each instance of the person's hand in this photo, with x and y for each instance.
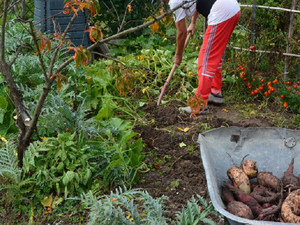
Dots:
(191, 29)
(177, 59)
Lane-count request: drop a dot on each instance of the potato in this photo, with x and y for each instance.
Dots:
(290, 209)
(250, 168)
(239, 179)
(240, 209)
(267, 179)
(288, 177)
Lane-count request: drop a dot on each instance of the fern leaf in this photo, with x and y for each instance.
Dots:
(9, 163)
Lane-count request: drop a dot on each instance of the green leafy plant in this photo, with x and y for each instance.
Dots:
(132, 206)
(197, 211)
(117, 154)
(59, 165)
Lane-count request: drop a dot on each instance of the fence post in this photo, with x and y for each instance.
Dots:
(252, 32)
(291, 31)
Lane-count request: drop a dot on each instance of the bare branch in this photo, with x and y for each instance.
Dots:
(16, 56)
(10, 7)
(38, 109)
(38, 52)
(124, 17)
(57, 49)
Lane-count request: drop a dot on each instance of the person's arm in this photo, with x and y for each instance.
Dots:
(192, 26)
(180, 40)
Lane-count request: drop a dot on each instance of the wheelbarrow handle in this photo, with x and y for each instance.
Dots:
(171, 73)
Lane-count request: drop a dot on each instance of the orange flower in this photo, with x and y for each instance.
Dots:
(285, 105)
(281, 96)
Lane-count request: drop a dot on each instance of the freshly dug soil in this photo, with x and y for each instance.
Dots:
(173, 152)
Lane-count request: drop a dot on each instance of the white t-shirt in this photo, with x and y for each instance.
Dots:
(221, 10)
(187, 10)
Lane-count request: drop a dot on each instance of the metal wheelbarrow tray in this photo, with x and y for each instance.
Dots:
(271, 148)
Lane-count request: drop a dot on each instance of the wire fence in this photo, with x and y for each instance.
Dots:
(293, 12)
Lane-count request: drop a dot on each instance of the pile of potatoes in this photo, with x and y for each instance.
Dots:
(267, 199)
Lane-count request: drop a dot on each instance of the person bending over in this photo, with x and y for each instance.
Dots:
(222, 17)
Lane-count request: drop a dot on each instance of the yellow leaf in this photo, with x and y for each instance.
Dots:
(225, 110)
(145, 89)
(184, 129)
(3, 139)
(47, 201)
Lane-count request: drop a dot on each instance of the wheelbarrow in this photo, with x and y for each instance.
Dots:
(271, 148)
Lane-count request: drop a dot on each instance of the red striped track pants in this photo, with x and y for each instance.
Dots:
(210, 62)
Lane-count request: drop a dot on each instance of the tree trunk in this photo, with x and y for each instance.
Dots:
(17, 99)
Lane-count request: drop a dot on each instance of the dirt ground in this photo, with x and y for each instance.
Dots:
(173, 152)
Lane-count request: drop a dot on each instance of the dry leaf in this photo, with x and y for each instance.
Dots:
(154, 27)
(225, 110)
(157, 166)
(184, 129)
